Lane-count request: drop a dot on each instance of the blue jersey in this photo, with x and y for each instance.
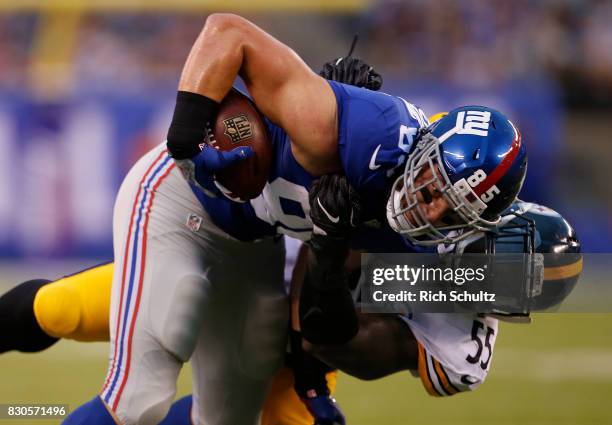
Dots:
(375, 132)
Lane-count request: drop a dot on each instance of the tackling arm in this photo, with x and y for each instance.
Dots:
(383, 345)
(366, 346)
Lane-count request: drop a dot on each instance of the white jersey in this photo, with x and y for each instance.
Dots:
(455, 350)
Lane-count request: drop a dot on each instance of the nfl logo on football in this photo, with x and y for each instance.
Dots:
(238, 128)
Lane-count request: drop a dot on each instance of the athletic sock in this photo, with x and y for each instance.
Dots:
(94, 412)
(19, 329)
(179, 413)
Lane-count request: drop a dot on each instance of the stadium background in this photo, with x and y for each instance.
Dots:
(87, 87)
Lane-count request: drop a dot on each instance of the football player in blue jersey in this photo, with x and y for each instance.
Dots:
(174, 285)
(37, 313)
(320, 126)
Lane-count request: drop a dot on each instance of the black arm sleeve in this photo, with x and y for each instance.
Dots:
(309, 372)
(188, 127)
(327, 312)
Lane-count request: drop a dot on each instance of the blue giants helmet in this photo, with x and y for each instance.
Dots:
(478, 164)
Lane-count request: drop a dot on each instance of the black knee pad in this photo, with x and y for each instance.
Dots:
(19, 329)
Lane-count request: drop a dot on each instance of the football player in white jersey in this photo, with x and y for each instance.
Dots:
(451, 352)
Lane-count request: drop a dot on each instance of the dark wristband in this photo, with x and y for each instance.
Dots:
(188, 127)
(308, 371)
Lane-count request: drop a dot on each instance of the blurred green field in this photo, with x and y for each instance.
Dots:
(555, 371)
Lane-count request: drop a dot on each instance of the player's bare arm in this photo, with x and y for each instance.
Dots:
(283, 87)
(383, 345)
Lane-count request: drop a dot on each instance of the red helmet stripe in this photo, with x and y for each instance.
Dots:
(501, 169)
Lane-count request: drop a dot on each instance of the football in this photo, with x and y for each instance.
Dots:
(239, 123)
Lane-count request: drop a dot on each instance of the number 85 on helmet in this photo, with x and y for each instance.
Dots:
(464, 171)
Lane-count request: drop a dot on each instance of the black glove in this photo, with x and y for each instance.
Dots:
(353, 71)
(335, 207)
(327, 311)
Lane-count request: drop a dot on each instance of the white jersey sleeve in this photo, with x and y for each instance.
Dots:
(455, 350)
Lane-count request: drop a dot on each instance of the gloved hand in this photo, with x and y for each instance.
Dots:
(335, 207)
(200, 169)
(353, 71)
(325, 410)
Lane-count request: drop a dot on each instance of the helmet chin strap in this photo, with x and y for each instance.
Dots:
(399, 222)
(391, 219)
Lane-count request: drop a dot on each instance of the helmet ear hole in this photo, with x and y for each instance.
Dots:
(476, 154)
